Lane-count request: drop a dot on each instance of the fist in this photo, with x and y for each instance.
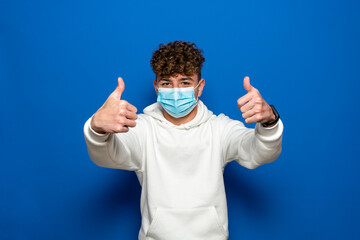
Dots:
(253, 106)
(115, 115)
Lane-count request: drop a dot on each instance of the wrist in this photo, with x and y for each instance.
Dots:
(94, 127)
(273, 119)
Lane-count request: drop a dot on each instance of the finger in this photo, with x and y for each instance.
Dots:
(128, 114)
(122, 129)
(121, 86)
(131, 108)
(129, 123)
(247, 84)
(116, 94)
(131, 115)
(249, 113)
(248, 106)
(255, 118)
(244, 99)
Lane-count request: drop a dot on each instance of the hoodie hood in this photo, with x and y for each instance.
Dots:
(203, 115)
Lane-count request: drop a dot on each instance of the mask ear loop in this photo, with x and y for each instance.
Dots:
(157, 85)
(198, 84)
(197, 100)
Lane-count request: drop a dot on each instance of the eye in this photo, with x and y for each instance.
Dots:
(186, 83)
(165, 84)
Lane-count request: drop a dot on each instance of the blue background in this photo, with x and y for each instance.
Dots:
(59, 61)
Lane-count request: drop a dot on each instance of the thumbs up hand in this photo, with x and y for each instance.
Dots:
(253, 106)
(115, 115)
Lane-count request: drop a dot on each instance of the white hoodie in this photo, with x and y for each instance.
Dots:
(180, 168)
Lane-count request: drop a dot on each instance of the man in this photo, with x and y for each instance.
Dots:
(178, 148)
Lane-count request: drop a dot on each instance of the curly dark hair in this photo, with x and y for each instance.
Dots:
(177, 57)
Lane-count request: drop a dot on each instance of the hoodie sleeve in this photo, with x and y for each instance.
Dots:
(115, 150)
(250, 147)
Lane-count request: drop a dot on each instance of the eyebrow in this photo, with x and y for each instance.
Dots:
(181, 79)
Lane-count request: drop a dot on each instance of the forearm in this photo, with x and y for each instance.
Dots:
(258, 146)
(106, 150)
(266, 146)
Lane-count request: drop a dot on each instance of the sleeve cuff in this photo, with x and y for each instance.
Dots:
(91, 134)
(271, 133)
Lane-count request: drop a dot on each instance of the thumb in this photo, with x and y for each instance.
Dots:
(116, 94)
(247, 84)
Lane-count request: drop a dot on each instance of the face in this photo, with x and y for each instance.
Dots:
(180, 81)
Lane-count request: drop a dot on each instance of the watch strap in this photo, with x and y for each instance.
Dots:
(277, 117)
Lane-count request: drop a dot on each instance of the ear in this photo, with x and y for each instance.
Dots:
(201, 87)
(155, 86)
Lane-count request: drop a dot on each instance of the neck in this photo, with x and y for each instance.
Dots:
(181, 120)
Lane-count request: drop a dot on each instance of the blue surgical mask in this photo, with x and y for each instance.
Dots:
(178, 102)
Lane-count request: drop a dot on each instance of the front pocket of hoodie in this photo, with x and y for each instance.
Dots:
(189, 224)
